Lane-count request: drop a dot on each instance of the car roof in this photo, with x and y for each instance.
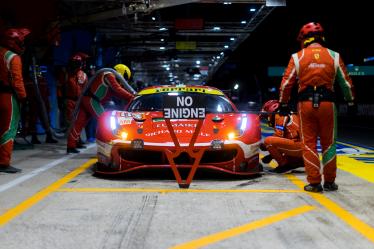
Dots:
(180, 88)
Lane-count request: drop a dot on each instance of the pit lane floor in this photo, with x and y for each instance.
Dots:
(57, 203)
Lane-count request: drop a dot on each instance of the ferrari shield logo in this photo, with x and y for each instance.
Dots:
(316, 56)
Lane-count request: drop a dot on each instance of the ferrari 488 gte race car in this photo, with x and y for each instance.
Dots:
(179, 127)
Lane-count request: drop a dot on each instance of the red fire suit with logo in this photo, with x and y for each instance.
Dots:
(103, 88)
(74, 87)
(12, 91)
(285, 145)
(317, 66)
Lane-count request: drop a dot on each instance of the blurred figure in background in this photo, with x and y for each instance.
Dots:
(77, 79)
(34, 110)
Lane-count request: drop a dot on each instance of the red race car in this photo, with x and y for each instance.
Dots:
(179, 127)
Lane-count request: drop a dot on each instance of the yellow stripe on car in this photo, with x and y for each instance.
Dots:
(181, 89)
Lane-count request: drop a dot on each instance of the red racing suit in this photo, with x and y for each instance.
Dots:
(74, 87)
(317, 67)
(285, 145)
(103, 88)
(12, 91)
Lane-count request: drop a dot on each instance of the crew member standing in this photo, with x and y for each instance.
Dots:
(103, 87)
(316, 68)
(284, 146)
(76, 81)
(12, 92)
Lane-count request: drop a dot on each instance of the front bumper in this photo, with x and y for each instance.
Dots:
(235, 157)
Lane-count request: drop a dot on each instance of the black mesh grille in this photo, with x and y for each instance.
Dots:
(158, 157)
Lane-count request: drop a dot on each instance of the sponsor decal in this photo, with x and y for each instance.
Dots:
(180, 132)
(124, 120)
(181, 89)
(279, 127)
(316, 65)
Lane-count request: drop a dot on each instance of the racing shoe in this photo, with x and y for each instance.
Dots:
(267, 159)
(81, 146)
(330, 186)
(72, 150)
(316, 188)
(50, 140)
(35, 140)
(9, 169)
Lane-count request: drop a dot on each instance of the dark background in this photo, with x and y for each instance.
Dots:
(348, 30)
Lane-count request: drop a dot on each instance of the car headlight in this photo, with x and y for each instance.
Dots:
(231, 135)
(113, 123)
(123, 135)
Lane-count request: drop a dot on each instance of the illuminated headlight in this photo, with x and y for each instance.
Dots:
(231, 135)
(113, 123)
(217, 144)
(137, 144)
(124, 135)
(243, 125)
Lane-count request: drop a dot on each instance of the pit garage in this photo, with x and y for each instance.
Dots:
(60, 201)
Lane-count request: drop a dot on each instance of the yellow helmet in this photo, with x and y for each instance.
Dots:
(123, 70)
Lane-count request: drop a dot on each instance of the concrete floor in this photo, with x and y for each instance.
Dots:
(51, 205)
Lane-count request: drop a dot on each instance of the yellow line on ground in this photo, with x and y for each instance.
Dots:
(23, 206)
(107, 190)
(340, 212)
(213, 238)
(356, 167)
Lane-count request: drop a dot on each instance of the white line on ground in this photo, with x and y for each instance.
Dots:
(38, 171)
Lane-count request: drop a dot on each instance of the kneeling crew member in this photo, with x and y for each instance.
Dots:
(284, 145)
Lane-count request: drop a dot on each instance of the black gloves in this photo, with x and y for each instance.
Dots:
(351, 109)
(284, 109)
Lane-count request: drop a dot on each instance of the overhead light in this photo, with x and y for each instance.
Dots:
(226, 46)
(226, 3)
(198, 62)
(243, 22)
(217, 28)
(252, 9)
(168, 68)
(162, 29)
(162, 39)
(236, 86)
(162, 48)
(232, 39)
(153, 18)
(218, 57)
(222, 53)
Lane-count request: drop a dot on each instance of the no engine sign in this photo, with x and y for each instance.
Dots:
(184, 107)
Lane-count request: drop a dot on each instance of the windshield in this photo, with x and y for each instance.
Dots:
(155, 102)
